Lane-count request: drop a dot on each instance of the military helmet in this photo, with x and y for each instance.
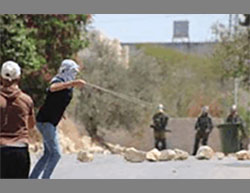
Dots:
(160, 107)
(234, 108)
(205, 109)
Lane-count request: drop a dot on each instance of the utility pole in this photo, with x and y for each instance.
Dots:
(245, 23)
(236, 23)
(233, 28)
(230, 24)
(236, 90)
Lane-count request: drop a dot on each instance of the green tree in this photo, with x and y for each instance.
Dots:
(39, 43)
(57, 36)
(187, 81)
(232, 54)
(17, 43)
(101, 110)
(97, 109)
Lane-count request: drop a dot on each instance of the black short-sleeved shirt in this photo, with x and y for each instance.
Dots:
(55, 104)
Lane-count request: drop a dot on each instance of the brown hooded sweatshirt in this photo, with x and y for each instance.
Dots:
(15, 108)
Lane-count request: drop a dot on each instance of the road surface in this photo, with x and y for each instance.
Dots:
(115, 167)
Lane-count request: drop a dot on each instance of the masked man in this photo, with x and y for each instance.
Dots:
(59, 95)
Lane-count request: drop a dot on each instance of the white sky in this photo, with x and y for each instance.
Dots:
(156, 27)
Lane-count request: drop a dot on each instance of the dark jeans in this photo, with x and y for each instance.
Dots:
(15, 162)
(200, 135)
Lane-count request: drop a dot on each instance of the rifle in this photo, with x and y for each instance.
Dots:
(165, 130)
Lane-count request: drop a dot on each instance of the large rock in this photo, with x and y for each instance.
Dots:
(167, 155)
(153, 155)
(205, 152)
(84, 156)
(116, 149)
(96, 149)
(220, 155)
(243, 155)
(134, 155)
(181, 155)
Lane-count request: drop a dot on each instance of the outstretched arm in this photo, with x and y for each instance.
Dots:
(65, 85)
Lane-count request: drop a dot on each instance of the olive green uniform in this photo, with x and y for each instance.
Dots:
(160, 121)
(234, 118)
(204, 127)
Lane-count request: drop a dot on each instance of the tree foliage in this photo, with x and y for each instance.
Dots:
(182, 82)
(187, 81)
(232, 54)
(39, 43)
(98, 109)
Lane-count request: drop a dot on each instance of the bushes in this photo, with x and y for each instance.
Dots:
(182, 82)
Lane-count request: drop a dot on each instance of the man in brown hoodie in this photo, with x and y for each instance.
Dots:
(16, 118)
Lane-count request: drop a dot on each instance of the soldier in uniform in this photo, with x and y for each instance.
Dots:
(234, 118)
(204, 127)
(160, 121)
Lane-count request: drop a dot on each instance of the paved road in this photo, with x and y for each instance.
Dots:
(115, 167)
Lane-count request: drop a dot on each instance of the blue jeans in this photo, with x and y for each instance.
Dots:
(51, 156)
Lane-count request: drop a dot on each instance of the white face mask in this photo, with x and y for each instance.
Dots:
(68, 70)
(68, 74)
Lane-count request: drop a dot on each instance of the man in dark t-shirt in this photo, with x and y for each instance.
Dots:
(59, 95)
(55, 104)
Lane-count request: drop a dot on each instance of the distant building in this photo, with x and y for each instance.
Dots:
(181, 31)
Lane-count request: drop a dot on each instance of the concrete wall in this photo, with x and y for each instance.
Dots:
(199, 48)
(182, 136)
(183, 133)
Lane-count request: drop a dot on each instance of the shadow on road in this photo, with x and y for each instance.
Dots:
(242, 164)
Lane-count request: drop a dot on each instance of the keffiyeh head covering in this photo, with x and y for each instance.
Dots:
(68, 70)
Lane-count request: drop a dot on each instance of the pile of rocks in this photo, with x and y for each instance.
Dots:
(205, 153)
(134, 155)
(167, 155)
(116, 148)
(243, 155)
(181, 155)
(154, 155)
